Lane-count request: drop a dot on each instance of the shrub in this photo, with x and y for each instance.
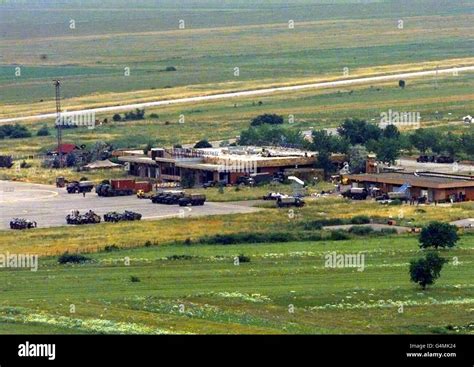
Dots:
(339, 235)
(117, 117)
(179, 257)
(170, 68)
(388, 231)
(360, 219)
(68, 258)
(154, 116)
(134, 279)
(202, 144)
(361, 231)
(110, 248)
(44, 131)
(271, 119)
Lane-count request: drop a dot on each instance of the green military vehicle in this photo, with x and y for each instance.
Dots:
(192, 199)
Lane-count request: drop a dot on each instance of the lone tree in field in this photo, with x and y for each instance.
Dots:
(438, 234)
(401, 83)
(426, 270)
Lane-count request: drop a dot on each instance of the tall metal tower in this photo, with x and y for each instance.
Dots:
(58, 123)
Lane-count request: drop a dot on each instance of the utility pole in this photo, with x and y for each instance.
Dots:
(58, 124)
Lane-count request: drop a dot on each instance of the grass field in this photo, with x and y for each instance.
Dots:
(218, 37)
(207, 293)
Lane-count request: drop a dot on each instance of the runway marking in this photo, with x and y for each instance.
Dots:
(14, 200)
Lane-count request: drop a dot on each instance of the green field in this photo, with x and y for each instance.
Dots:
(108, 36)
(207, 293)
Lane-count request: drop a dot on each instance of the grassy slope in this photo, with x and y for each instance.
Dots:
(219, 297)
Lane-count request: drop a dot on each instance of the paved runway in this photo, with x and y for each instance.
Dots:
(48, 205)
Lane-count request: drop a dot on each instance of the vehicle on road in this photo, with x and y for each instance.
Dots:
(288, 201)
(21, 223)
(192, 199)
(76, 187)
(77, 219)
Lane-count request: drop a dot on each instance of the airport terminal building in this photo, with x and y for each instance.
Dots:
(224, 165)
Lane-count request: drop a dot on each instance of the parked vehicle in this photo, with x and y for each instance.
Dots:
(21, 223)
(168, 197)
(121, 187)
(288, 201)
(79, 187)
(144, 195)
(192, 199)
(77, 219)
(444, 159)
(126, 216)
(356, 193)
(208, 184)
(273, 196)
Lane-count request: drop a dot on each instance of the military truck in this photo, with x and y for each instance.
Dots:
(77, 219)
(21, 223)
(118, 217)
(288, 201)
(356, 193)
(76, 187)
(193, 199)
(121, 187)
(168, 197)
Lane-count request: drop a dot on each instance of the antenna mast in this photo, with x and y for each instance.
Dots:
(57, 84)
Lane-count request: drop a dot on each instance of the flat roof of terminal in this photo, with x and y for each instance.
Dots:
(431, 180)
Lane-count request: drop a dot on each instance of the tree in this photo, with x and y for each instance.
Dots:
(117, 117)
(424, 139)
(467, 142)
(425, 271)
(387, 150)
(391, 132)
(401, 83)
(188, 180)
(357, 158)
(71, 160)
(271, 135)
(323, 141)
(438, 234)
(203, 144)
(43, 131)
(359, 131)
(324, 162)
(271, 119)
